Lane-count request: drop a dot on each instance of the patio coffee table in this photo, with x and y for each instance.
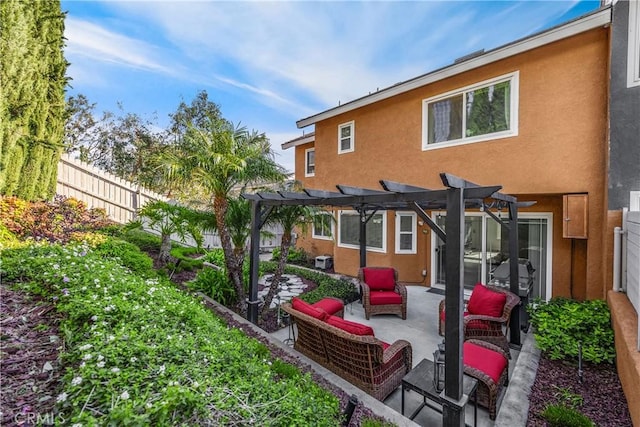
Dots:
(420, 380)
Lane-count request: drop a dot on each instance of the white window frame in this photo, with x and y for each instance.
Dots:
(331, 228)
(633, 45)
(369, 248)
(514, 78)
(306, 163)
(413, 232)
(351, 148)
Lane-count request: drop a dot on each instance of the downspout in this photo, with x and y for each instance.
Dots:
(617, 262)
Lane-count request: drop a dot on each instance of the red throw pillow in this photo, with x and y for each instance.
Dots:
(308, 309)
(486, 302)
(382, 279)
(348, 326)
(329, 305)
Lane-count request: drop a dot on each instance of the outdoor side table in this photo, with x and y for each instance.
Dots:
(420, 380)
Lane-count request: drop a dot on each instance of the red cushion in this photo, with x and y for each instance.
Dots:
(348, 326)
(486, 302)
(329, 305)
(380, 278)
(384, 297)
(488, 361)
(308, 309)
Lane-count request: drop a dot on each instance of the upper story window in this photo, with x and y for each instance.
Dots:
(406, 232)
(310, 162)
(633, 57)
(322, 226)
(346, 137)
(349, 231)
(486, 110)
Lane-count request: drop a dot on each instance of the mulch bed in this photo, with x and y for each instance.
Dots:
(603, 399)
(29, 345)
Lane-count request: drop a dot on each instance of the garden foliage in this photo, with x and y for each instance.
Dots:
(561, 324)
(139, 352)
(33, 80)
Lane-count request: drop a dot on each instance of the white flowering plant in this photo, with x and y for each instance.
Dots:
(140, 352)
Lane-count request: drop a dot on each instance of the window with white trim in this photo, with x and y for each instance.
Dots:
(310, 162)
(480, 112)
(322, 226)
(349, 231)
(346, 137)
(633, 45)
(406, 232)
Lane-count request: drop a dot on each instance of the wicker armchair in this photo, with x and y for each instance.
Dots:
(381, 292)
(490, 366)
(492, 329)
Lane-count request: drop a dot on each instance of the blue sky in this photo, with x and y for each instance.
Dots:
(269, 64)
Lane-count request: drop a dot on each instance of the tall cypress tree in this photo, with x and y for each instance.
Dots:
(32, 88)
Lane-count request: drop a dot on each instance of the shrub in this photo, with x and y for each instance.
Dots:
(144, 240)
(297, 256)
(128, 254)
(563, 416)
(185, 261)
(215, 284)
(561, 324)
(52, 221)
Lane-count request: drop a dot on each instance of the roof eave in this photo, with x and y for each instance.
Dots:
(298, 141)
(599, 18)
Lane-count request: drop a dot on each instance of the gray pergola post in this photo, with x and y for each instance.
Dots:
(514, 273)
(363, 237)
(453, 411)
(254, 262)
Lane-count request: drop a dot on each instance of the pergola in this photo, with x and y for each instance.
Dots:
(456, 196)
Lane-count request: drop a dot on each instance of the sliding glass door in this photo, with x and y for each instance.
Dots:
(486, 246)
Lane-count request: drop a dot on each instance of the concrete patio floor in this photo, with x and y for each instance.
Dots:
(421, 330)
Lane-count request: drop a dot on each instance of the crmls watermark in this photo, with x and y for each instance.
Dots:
(37, 418)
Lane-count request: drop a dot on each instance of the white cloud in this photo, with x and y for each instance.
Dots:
(95, 42)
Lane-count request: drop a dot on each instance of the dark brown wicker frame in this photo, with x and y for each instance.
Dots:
(361, 360)
(488, 390)
(492, 332)
(370, 310)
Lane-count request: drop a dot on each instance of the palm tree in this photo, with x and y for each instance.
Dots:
(219, 157)
(168, 218)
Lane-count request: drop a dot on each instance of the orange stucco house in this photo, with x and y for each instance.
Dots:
(553, 118)
(530, 116)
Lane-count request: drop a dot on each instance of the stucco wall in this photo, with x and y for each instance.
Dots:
(561, 148)
(625, 326)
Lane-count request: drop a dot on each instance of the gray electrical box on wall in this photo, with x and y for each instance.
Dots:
(324, 262)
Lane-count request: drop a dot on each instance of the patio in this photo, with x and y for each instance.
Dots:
(421, 330)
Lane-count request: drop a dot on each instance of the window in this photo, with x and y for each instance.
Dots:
(487, 110)
(349, 231)
(310, 162)
(322, 226)
(406, 233)
(346, 137)
(633, 58)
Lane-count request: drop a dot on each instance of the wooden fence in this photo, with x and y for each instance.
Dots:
(121, 199)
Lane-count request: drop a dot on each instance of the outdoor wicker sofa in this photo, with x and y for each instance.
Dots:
(366, 362)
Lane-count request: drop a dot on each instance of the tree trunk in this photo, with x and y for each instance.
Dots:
(285, 246)
(165, 249)
(234, 268)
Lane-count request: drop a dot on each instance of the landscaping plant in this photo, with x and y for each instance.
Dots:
(561, 324)
(139, 352)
